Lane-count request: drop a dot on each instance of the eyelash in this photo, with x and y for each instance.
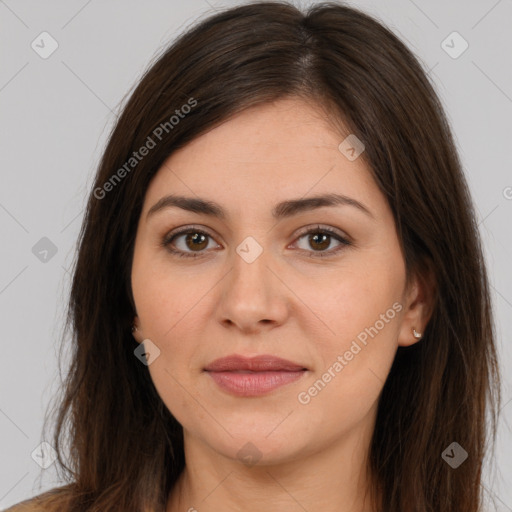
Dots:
(166, 242)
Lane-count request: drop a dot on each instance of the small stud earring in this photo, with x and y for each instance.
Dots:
(134, 328)
(417, 335)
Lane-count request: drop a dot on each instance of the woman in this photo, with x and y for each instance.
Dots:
(280, 300)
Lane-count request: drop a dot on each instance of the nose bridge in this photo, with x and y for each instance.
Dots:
(250, 273)
(252, 294)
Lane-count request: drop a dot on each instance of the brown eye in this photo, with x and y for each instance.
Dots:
(192, 242)
(196, 241)
(187, 242)
(319, 241)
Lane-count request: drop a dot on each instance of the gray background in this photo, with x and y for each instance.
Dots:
(56, 114)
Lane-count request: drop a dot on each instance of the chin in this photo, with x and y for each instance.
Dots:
(253, 445)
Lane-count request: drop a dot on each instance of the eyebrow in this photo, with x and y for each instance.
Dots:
(281, 210)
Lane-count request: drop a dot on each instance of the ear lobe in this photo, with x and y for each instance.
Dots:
(419, 307)
(136, 330)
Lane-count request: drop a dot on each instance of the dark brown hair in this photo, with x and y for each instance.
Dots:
(125, 448)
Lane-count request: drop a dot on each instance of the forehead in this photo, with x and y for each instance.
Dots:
(263, 155)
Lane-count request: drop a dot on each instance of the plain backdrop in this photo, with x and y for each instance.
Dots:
(56, 113)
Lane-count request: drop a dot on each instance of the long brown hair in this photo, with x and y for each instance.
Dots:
(125, 449)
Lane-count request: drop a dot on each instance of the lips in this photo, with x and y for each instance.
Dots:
(255, 376)
(261, 363)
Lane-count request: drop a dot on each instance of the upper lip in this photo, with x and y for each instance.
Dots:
(259, 363)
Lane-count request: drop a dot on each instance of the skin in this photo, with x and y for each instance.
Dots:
(287, 303)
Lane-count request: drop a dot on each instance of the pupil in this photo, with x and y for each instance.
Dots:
(196, 239)
(324, 237)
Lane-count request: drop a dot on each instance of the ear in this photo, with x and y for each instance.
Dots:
(137, 334)
(420, 299)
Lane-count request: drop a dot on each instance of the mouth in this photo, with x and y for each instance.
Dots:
(255, 376)
(261, 363)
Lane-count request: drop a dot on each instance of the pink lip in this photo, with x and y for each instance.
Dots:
(253, 376)
(261, 363)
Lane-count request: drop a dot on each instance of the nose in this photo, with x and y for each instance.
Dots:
(253, 297)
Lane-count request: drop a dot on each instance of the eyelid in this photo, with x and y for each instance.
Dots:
(322, 227)
(340, 236)
(183, 230)
(344, 240)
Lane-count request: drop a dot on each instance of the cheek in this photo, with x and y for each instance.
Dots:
(165, 296)
(355, 361)
(360, 317)
(354, 299)
(167, 303)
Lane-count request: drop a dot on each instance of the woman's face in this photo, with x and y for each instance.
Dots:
(247, 279)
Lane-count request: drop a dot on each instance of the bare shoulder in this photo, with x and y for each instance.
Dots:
(53, 500)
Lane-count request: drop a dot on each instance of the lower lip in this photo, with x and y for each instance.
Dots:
(255, 383)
